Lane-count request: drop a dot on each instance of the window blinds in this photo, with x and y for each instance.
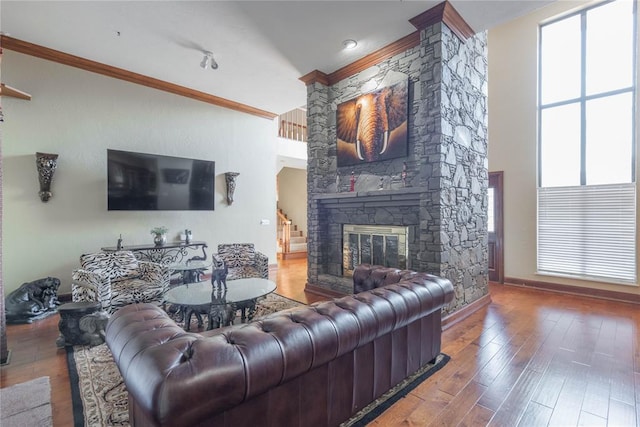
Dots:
(588, 232)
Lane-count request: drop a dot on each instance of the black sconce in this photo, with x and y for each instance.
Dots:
(46, 164)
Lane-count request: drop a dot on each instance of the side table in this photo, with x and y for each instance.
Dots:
(81, 323)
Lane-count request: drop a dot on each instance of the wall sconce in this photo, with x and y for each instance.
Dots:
(46, 164)
(230, 177)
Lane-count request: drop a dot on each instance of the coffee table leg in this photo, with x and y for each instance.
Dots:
(187, 317)
(247, 310)
(252, 309)
(221, 315)
(216, 312)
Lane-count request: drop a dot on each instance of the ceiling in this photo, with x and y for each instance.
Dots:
(262, 47)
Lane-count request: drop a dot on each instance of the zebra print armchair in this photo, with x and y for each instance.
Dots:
(243, 261)
(116, 279)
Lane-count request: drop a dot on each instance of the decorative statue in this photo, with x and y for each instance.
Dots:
(230, 178)
(219, 273)
(90, 330)
(119, 246)
(32, 300)
(404, 174)
(381, 185)
(220, 313)
(352, 185)
(46, 164)
(92, 327)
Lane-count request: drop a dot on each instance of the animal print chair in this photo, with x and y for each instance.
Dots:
(243, 261)
(116, 279)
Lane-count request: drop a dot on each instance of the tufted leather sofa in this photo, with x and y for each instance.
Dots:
(308, 366)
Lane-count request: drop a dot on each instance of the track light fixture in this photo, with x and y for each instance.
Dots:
(208, 61)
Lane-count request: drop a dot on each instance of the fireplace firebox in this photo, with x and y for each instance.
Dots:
(374, 244)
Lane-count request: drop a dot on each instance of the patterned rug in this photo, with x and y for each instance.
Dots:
(98, 394)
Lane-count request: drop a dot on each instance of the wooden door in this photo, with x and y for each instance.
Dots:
(496, 228)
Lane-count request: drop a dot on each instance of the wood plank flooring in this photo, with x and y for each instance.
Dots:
(533, 358)
(530, 358)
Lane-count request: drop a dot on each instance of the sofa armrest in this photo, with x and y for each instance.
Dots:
(262, 264)
(90, 286)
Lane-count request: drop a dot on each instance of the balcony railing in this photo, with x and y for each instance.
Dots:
(293, 125)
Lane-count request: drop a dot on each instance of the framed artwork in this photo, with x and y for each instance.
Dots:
(373, 126)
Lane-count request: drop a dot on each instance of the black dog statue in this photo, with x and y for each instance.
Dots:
(32, 300)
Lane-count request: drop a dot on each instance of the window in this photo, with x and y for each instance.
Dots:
(586, 147)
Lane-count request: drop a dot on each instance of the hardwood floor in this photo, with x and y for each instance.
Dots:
(530, 358)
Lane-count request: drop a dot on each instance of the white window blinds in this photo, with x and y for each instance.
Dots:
(588, 232)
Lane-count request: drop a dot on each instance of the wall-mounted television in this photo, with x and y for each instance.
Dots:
(151, 182)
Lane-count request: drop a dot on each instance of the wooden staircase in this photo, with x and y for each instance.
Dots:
(291, 242)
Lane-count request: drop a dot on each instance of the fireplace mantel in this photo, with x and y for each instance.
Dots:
(400, 197)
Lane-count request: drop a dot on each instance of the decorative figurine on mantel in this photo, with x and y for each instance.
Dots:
(404, 174)
(119, 246)
(187, 236)
(381, 185)
(352, 186)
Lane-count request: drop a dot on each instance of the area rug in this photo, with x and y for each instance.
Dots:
(98, 394)
(384, 402)
(26, 404)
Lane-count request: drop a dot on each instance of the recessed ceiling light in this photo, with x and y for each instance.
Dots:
(349, 44)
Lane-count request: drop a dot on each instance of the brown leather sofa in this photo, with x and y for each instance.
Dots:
(308, 366)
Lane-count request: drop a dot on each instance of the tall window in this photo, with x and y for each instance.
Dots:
(586, 152)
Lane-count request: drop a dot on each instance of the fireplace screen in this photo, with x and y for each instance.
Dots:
(373, 244)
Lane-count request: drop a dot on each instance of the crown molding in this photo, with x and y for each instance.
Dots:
(363, 63)
(446, 13)
(48, 54)
(443, 12)
(315, 77)
(382, 54)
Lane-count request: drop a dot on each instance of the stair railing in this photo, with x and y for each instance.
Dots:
(284, 230)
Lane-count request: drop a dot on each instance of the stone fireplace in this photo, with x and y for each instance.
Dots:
(437, 193)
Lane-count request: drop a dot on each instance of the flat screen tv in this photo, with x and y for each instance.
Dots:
(150, 182)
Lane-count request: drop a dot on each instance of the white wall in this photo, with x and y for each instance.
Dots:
(79, 115)
(292, 196)
(512, 139)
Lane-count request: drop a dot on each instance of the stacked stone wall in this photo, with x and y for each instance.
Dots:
(464, 181)
(444, 197)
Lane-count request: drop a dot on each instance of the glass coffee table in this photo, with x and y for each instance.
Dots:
(201, 298)
(191, 270)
